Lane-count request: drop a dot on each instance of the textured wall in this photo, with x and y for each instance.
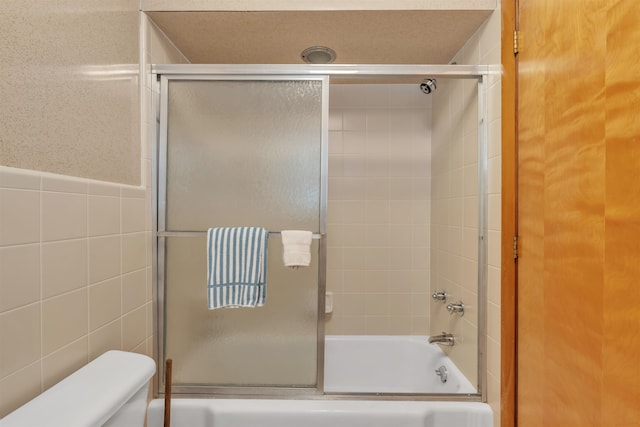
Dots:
(70, 98)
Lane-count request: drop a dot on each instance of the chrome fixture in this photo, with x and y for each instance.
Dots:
(439, 296)
(428, 86)
(457, 308)
(318, 55)
(442, 339)
(442, 373)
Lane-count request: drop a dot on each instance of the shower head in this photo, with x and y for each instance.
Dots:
(428, 86)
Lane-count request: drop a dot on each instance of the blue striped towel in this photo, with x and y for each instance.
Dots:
(236, 267)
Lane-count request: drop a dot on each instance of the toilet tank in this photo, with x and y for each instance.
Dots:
(110, 391)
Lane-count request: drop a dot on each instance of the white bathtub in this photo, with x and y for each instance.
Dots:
(353, 364)
(389, 364)
(319, 413)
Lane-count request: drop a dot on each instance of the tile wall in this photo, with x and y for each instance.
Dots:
(75, 253)
(454, 229)
(454, 234)
(74, 277)
(379, 209)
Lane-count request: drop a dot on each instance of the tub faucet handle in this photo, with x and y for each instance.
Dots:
(439, 296)
(457, 308)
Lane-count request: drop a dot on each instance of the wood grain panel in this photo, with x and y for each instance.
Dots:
(621, 297)
(573, 212)
(508, 226)
(531, 150)
(579, 213)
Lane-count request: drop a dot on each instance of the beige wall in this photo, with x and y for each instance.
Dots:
(69, 88)
(74, 277)
(155, 48)
(378, 209)
(75, 253)
(454, 228)
(454, 257)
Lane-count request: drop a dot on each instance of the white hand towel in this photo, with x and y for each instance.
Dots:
(296, 248)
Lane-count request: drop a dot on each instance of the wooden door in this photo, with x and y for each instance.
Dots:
(578, 291)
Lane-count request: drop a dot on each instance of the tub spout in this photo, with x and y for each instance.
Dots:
(442, 339)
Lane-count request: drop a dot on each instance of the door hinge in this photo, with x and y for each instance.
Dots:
(515, 248)
(515, 42)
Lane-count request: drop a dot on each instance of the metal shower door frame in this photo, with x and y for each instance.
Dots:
(159, 178)
(164, 73)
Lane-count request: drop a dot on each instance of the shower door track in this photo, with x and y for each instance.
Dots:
(480, 73)
(332, 70)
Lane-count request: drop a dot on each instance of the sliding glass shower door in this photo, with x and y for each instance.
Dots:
(246, 152)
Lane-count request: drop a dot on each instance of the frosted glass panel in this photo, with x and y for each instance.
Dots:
(273, 345)
(244, 153)
(241, 153)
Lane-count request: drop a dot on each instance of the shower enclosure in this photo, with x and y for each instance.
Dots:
(248, 146)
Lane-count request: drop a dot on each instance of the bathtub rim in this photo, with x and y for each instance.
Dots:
(480, 409)
(293, 393)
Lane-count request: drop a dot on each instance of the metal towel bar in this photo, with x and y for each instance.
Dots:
(204, 233)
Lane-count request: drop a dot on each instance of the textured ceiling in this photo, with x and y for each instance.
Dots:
(358, 37)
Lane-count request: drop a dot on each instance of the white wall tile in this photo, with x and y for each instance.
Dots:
(105, 302)
(63, 184)
(97, 188)
(354, 142)
(133, 211)
(59, 365)
(353, 120)
(134, 328)
(455, 201)
(103, 215)
(335, 120)
(19, 217)
(19, 347)
(20, 276)
(108, 337)
(20, 387)
(372, 236)
(19, 179)
(133, 252)
(66, 212)
(64, 320)
(377, 120)
(105, 258)
(64, 216)
(64, 266)
(134, 291)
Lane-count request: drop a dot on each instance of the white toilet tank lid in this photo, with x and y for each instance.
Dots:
(89, 396)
